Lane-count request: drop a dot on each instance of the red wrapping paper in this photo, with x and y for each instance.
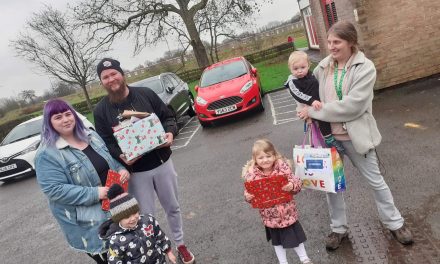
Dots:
(112, 178)
(267, 192)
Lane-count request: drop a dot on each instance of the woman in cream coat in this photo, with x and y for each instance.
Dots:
(346, 81)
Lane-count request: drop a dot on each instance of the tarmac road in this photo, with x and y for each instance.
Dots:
(221, 228)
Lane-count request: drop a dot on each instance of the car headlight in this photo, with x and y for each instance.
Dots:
(246, 87)
(32, 147)
(201, 101)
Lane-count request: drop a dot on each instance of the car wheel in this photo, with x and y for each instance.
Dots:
(204, 124)
(174, 113)
(191, 110)
(260, 108)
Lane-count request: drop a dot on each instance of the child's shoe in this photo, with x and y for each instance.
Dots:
(331, 141)
(185, 255)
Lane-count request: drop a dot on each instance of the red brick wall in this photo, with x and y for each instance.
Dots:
(402, 37)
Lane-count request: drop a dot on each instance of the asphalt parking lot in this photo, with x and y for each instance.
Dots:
(221, 228)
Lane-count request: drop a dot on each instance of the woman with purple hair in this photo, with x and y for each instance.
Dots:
(72, 164)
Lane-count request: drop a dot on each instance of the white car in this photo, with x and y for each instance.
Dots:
(18, 148)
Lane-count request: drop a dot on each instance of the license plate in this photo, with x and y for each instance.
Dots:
(8, 167)
(226, 109)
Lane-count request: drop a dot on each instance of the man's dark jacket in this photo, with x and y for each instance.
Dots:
(139, 99)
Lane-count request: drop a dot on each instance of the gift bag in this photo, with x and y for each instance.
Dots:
(319, 168)
(267, 191)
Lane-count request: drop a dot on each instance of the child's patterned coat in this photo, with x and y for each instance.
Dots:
(281, 215)
(144, 244)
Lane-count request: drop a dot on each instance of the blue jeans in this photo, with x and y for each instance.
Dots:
(369, 168)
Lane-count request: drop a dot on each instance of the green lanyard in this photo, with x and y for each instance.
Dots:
(338, 86)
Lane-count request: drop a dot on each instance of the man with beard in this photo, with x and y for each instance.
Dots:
(153, 171)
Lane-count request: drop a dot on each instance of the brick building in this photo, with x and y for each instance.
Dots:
(401, 37)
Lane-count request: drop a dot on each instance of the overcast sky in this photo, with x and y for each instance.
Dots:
(17, 74)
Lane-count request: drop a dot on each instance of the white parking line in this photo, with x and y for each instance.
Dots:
(182, 138)
(285, 112)
(285, 100)
(278, 106)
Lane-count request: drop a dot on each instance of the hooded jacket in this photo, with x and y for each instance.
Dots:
(280, 215)
(146, 243)
(139, 99)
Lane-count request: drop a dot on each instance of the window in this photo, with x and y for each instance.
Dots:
(167, 82)
(329, 11)
(175, 79)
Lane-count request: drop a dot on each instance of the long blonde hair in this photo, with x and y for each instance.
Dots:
(263, 145)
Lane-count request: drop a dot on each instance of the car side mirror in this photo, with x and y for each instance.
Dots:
(169, 89)
(254, 72)
(196, 88)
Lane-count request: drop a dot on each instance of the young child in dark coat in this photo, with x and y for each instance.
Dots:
(133, 238)
(304, 87)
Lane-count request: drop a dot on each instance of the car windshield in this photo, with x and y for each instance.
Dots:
(153, 84)
(223, 73)
(23, 131)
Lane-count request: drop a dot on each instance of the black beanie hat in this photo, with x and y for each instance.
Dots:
(122, 204)
(106, 64)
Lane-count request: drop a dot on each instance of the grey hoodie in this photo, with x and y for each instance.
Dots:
(355, 109)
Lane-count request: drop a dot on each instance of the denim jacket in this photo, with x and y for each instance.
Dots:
(70, 182)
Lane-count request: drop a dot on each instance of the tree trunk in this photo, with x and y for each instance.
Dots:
(216, 48)
(196, 43)
(86, 94)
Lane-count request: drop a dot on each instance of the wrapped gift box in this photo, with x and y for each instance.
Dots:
(113, 178)
(268, 191)
(136, 138)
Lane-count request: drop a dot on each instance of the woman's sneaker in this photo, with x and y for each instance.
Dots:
(185, 255)
(403, 235)
(307, 261)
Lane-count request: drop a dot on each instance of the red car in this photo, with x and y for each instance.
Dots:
(227, 88)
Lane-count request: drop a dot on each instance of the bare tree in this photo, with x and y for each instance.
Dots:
(28, 95)
(220, 18)
(59, 49)
(62, 89)
(149, 21)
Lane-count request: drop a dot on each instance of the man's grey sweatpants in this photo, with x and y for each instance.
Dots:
(163, 181)
(368, 167)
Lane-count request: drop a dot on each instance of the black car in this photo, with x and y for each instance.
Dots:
(172, 90)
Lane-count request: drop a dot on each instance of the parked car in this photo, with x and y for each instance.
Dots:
(18, 148)
(227, 88)
(172, 90)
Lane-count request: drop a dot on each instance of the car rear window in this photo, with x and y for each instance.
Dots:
(153, 84)
(23, 131)
(223, 73)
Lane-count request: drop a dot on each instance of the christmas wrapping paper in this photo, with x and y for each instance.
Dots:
(141, 136)
(112, 178)
(267, 191)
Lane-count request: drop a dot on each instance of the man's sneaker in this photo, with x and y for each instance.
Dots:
(185, 255)
(334, 240)
(403, 235)
(331, 141)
